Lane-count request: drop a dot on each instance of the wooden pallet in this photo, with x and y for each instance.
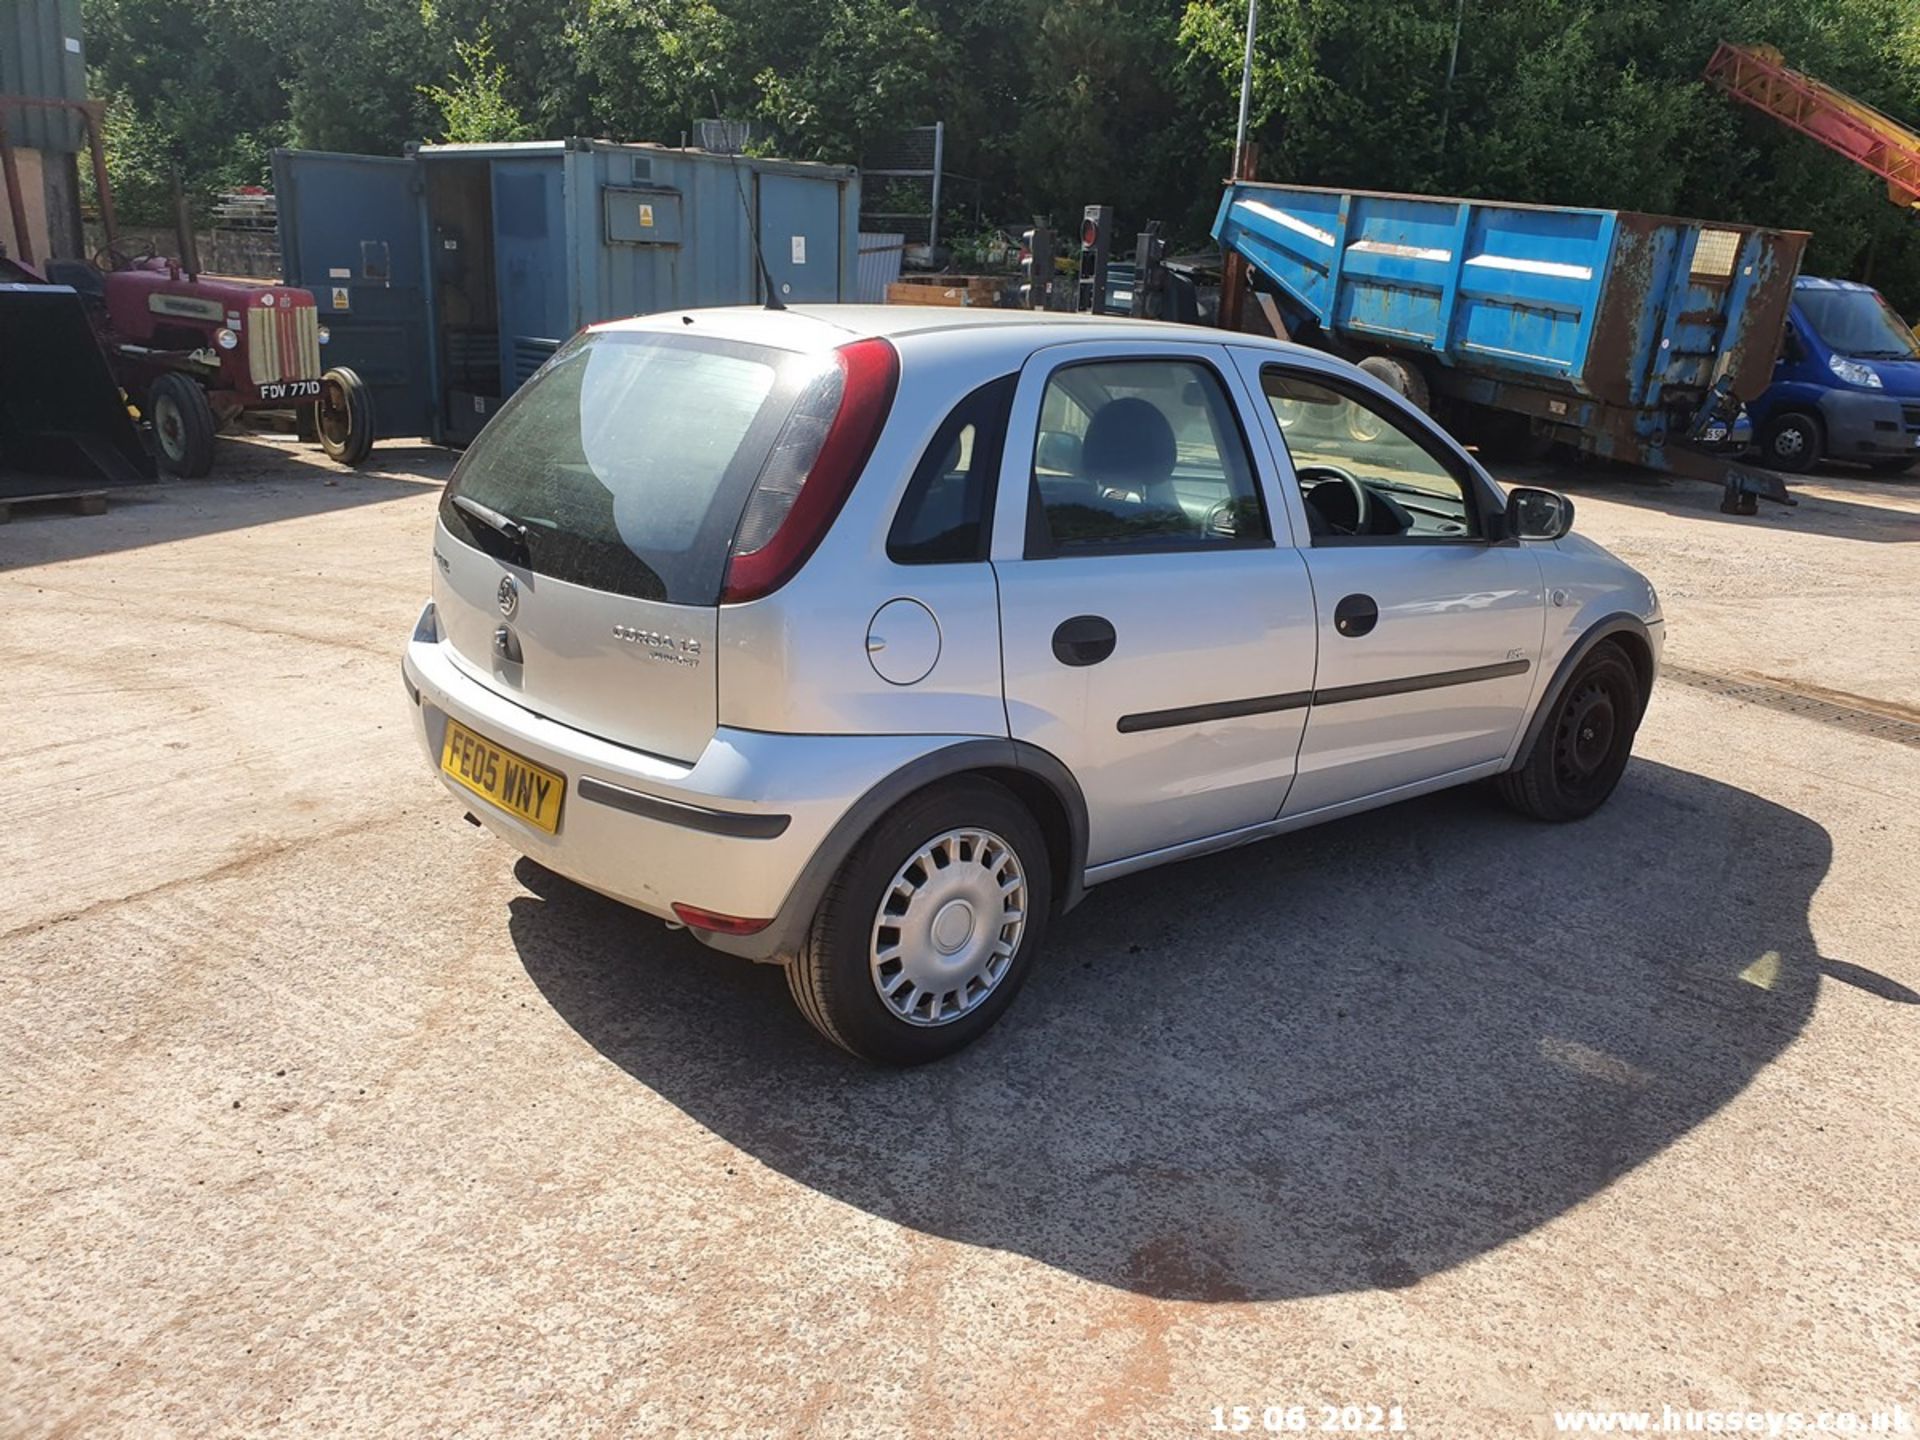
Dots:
(74, 502)
(984, 290)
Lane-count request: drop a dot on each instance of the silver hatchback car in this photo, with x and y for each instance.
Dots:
(864, 640)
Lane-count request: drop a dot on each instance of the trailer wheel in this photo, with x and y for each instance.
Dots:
(1791, 442)
(1400, 376)
(183, 426)
(344, 416)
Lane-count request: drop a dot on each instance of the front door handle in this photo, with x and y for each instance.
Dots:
(1355, 616)
(1083, 640)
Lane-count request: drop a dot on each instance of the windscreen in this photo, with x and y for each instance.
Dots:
(627, 460)
(1858, 323)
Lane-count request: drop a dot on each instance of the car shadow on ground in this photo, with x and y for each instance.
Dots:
(255, 481)
(1342, 1059)
(1851, 505)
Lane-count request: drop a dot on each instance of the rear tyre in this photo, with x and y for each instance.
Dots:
(343, 415)
(1583, 749)
(183, 426)
(1791, 442)
(929, 930)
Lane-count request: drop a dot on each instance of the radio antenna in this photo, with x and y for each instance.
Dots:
(753, 230)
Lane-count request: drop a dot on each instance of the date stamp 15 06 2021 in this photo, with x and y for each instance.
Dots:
(1317, 1418)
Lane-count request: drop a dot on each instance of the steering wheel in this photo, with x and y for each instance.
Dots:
(1352, 488)
(108, 260)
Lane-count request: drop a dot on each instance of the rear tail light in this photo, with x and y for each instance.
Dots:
(820, 452)
(714, 923)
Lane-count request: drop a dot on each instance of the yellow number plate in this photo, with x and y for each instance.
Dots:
(517, 786)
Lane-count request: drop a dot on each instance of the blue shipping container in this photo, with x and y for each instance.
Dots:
(447, 276)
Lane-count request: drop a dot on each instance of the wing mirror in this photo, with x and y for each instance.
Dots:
(1537, 514)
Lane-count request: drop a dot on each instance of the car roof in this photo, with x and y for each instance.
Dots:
(823, 327)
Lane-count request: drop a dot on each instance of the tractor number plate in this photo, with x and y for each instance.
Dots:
(291, 390)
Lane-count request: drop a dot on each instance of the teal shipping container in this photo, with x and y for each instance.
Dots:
(447, 276)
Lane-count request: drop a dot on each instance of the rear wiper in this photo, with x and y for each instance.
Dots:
(506, 525)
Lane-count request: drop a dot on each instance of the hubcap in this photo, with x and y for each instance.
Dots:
(1789, 442)
(948, 927)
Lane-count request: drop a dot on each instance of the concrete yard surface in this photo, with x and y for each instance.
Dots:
(324, 1114)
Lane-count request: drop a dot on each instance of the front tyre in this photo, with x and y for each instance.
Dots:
(343, 416)
(1791, 442)
(1583, 749)
(183, 425)
(929, 930)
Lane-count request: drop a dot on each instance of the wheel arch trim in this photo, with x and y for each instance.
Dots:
(782, 939)
(1605, 628)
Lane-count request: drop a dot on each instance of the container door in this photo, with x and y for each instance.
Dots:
(800, 236)
(350, 231)
(529, 238)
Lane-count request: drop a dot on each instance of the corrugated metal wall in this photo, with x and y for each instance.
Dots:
(41, 54)
(712, 262)
(880, 257)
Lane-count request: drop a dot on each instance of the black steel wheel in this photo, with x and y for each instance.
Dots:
(343, 416)
(1583, 749)
(183, 426)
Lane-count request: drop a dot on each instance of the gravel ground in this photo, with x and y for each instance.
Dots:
(322, 1113)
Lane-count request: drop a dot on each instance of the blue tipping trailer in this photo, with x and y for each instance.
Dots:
(1632, 336)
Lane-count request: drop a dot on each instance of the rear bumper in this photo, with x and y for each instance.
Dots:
(732, 833)
(1862, 425)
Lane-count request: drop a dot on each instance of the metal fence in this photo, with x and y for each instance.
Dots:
(905, 186)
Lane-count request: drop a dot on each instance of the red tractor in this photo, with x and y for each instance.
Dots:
(193, 351)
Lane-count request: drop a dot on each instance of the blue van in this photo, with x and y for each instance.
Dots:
(1846, 385)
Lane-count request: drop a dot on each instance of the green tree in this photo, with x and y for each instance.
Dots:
(474, 105)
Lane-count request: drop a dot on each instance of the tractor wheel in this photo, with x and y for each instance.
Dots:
(344, 416)
(183, 426)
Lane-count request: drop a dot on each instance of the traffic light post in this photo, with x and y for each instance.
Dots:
(1036, 247)
(1096, 226)
(1150, 274)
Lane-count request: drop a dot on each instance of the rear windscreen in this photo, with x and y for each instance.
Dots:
(627, 461)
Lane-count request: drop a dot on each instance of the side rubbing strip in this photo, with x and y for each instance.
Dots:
(1407, 684)
(693, 817)
(1219, 710)
(1299, 699)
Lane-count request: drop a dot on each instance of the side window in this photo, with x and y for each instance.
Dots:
(1140, 454)
(946, 515)
(1362, 473)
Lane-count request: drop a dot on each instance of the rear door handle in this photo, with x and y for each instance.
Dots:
(1355, 616)
(1083, 640)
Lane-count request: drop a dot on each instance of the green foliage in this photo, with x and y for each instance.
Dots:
(1053, 106)
(476, 109)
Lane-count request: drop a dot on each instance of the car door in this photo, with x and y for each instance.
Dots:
(1156, 621)
(1429, 628)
